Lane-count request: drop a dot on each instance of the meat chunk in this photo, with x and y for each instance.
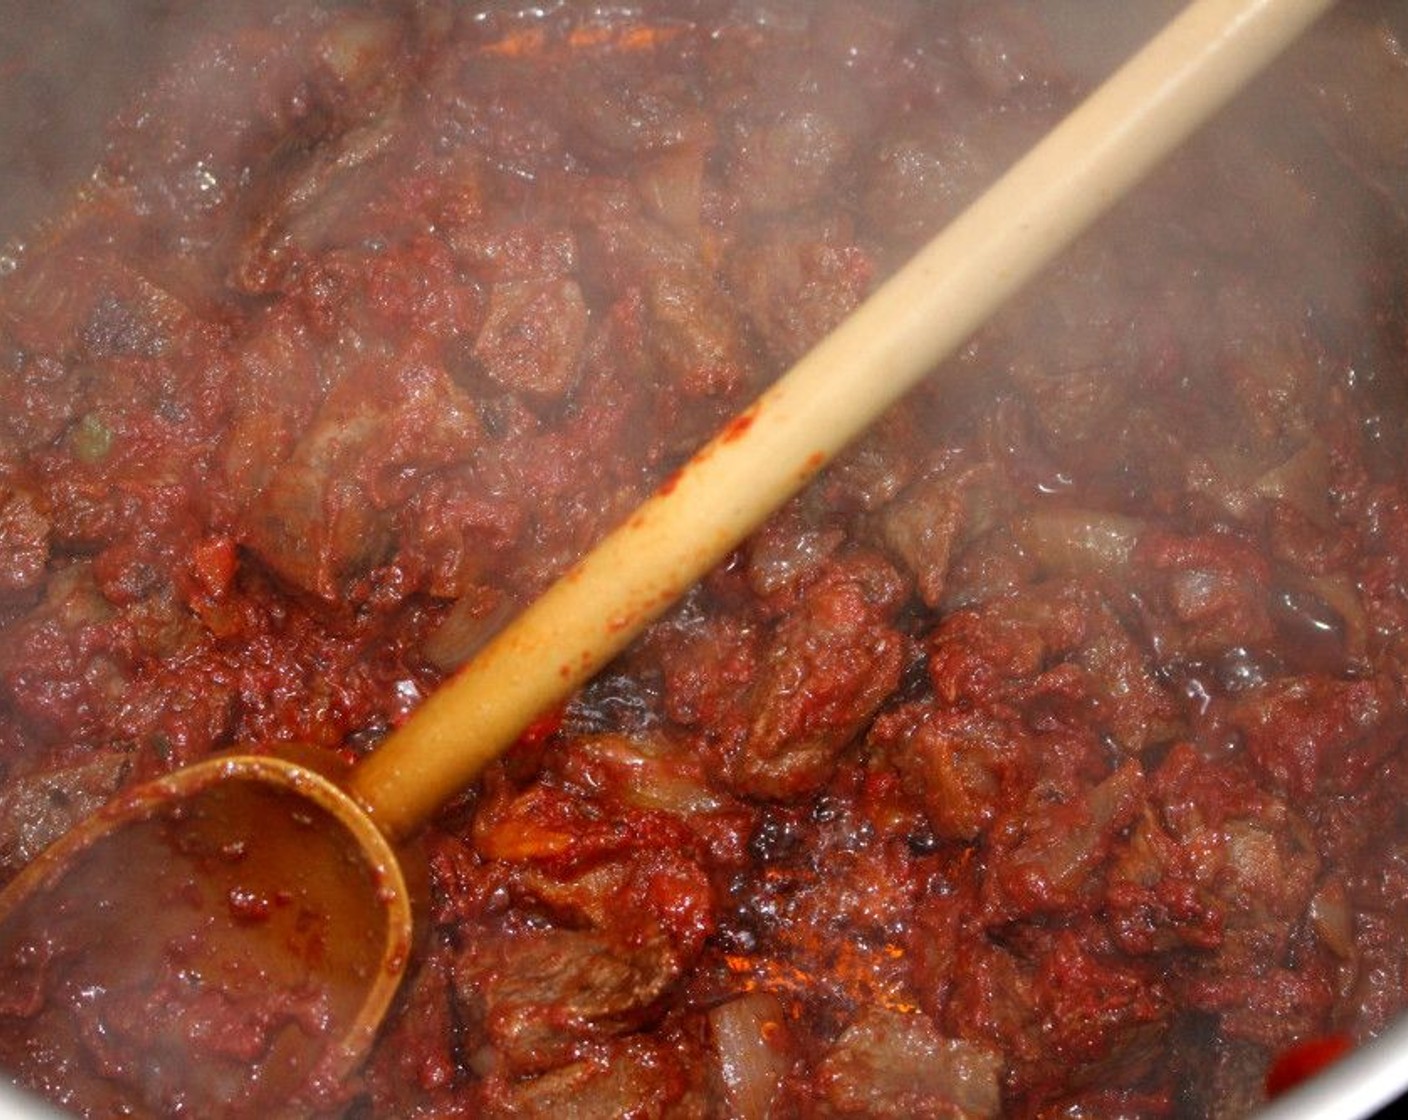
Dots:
(533, 335)
(1008, 51)
(1056, 1003)
(965, 765)
(1062, 642)
(920, 178)
(1228, 869)
(599, 862)
(825, 674)
(312, 523)
(1051, 862)
(808, 687)
(36, 810)
(327, 516)
(693, 329)
(928, 523)
(786, 147)
(24, 545)
(633, 1077)
(798, 279)
(310, 203)
(1314, 732)
(620, 107)
(539, 997)
(893, 1064)
(262, 124)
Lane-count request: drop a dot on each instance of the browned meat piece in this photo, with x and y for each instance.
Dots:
(832, 676)
(1223, 867)
(783, 703)
(1314, 732)
(312, 203)
(786, 147)
(692, 328)
(533, 335)
(1053, 851)
(207, 146)
(931, 520)
(24, 545)
(622, 107)
(326, 517)
(787, 553)
(36, 810)
(929, 163)
(895, 1064)
(1095, 1012)
(1061, 642)
(799, 280)
(634, 1077)
(922, 529)
(313, 523)
(1272, 379)
(919, 180)
(965, 765)
(536, 999)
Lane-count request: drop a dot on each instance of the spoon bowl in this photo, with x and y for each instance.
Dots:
(222, 940)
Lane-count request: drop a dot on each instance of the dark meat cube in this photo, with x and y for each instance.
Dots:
(328, 513)
(535, 999)
(893, 1064)
(533, 335)
(634, 1077)
(824, 674)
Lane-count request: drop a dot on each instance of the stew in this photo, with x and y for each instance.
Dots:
(1045, 756)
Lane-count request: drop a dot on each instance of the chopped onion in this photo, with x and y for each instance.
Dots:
(1302, 481)
(1330, 916)
(1340, 592)
(751, 1046)
(470, 622)
(1078, 541)
(672, 186)
(653, 774)
(356, 50)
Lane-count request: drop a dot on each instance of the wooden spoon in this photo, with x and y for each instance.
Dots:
(228, 938)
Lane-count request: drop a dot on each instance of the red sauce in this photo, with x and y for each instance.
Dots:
(1044, 756)
(737, 428)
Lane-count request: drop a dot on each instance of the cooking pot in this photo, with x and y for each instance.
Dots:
(49, 123)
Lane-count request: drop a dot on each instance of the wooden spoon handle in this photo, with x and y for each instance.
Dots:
(915, 320)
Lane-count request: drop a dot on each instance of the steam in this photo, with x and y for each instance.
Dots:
(65, 69)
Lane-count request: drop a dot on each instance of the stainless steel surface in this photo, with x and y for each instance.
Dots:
(1357, 1086)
